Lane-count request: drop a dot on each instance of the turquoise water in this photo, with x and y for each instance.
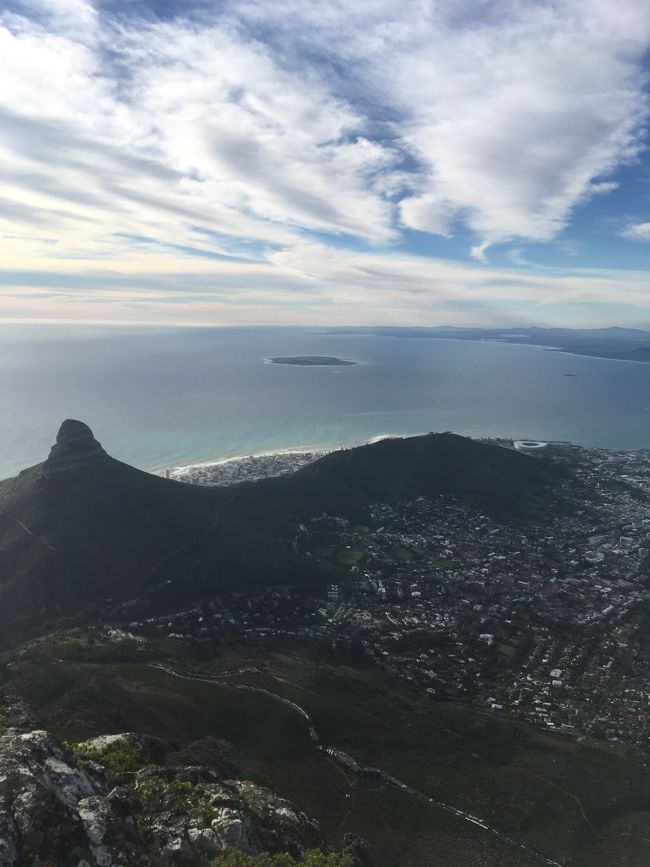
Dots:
(161, 398)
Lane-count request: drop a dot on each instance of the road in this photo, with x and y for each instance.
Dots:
(349, 761)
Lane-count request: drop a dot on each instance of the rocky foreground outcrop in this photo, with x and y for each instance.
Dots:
(81, 806)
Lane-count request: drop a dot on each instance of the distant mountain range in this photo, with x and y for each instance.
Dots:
(624, 344)
(83, 531)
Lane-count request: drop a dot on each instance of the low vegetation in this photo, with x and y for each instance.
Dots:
(118, 758)
(175, 796)
(313, 858)
(446, 751)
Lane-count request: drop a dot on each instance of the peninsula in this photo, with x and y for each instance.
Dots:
(621, 344)
(312, 360)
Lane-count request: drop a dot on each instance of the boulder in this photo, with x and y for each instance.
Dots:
(58, 807)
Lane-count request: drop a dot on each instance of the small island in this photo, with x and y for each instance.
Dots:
(312, 360)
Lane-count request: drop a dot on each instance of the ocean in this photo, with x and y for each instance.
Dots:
(159, 398)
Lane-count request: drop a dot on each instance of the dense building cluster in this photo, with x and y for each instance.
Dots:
(545, 621)
(244, 469)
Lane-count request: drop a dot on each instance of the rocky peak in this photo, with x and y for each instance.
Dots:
(77, 806)
(75, 447)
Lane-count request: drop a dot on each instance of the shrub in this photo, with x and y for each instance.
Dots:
(313, 858)
(118, 758)
(177, 796)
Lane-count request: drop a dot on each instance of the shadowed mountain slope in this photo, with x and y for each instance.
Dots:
(487, 476)
(82, 527)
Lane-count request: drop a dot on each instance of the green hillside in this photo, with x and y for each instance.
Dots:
(78, 532)
(578, 803)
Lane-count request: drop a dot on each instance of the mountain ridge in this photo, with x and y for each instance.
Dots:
(83, 529)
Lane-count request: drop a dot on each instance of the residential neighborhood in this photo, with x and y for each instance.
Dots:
(544, 621)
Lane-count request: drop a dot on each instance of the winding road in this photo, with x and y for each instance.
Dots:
(337, 755)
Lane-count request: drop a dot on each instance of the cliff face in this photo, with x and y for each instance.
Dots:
(57, 807)
(75, 447)
(41, 794)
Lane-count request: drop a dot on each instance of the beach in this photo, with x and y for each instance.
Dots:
(247, 468)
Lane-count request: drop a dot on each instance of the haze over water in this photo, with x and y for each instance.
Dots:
(160, 398)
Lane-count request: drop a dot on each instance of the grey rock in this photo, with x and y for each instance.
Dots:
(357, 849)
(213, 816)
(279, 826)
(39, 758)
(40, 787)
(8, 837)
(58, 809)
(111, 831)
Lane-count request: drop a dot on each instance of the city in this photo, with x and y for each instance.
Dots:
(543, 622)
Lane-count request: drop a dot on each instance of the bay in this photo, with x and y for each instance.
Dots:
(160, 398)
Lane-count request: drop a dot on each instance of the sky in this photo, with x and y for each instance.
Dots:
(236, 162)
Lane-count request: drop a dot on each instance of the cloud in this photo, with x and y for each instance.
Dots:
(313, 283)
(77, 17)
(516, 119)
(637, 232)
(170, 125)
(479, 251)
(251, 142)
(513, 112)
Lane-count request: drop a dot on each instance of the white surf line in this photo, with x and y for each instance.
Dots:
(461, 814)
(298, 451)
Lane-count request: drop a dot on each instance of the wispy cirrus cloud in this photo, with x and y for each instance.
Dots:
(229, 143)
(311, 283)
(513, 113)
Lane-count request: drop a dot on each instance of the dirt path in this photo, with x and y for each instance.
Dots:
(27, 530)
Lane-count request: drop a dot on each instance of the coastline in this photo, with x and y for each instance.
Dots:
(267, 464)
(279, 462)
(309, 361)
(274, 463)
(218, 462)
(619, 353)
(579, 352)
(246, 468)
